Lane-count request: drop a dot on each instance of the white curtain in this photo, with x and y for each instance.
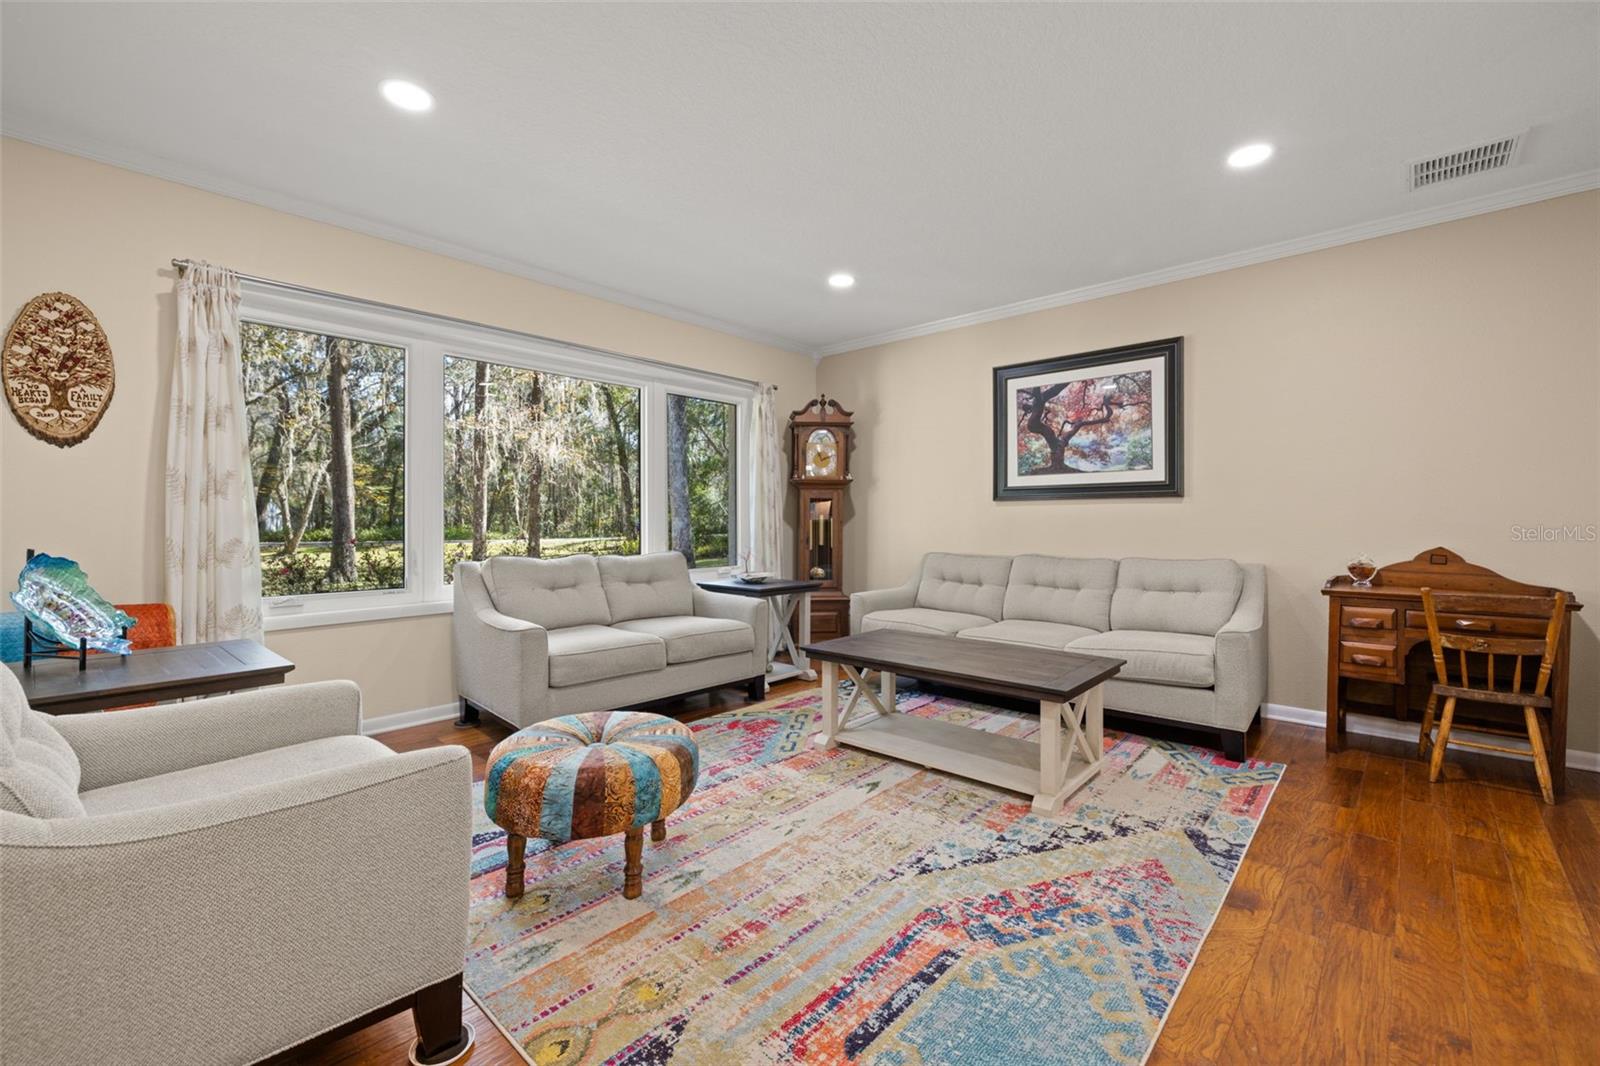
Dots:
(769, 489)
(213, 558)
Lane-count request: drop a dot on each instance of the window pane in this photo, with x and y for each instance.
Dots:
(327, 449)
(702, 460)
(537, 464)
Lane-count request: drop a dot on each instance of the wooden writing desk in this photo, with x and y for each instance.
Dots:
(1372, 632)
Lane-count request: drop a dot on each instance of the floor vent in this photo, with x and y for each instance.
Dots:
(1459, 164)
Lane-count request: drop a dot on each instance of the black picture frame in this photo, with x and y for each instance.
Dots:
(1169, 351)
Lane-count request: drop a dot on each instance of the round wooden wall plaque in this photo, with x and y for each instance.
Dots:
(56, 367)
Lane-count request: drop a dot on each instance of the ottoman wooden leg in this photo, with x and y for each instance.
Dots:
(658, 830)
(515, 846)
(633, 867)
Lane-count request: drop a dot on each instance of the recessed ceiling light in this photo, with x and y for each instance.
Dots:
(1250, 155)
(406, 95)
(841, 280)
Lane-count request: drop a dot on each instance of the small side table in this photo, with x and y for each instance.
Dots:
(784, 598)
(149, 675)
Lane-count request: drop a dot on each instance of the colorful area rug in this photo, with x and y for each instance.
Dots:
(836, 907)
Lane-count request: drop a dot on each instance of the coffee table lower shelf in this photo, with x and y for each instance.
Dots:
(1006, 762)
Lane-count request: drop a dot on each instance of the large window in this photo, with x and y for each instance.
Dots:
(537, 464)
(389, 445)
(328, 449)
(702, 480)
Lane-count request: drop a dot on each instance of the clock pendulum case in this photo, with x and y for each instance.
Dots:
(820, 434)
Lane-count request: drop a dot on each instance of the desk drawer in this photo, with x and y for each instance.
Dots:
(1369, 618)
(1366, 655)
(1498, 625)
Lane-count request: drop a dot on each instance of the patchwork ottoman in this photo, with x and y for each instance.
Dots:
(590, 775)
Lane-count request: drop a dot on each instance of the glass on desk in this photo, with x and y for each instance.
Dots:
(1361, 570)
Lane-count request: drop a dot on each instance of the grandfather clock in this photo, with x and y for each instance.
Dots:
(819, 438)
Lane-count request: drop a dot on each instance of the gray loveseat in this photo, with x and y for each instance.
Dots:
(536, 638)
(1192, 632)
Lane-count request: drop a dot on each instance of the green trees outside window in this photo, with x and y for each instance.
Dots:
(328, 449)
(702, 482)
(537, 464)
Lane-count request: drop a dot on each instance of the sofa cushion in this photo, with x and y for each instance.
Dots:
(1025, 631)
(690, 638)
(646, 586)
(923, 620)
(1176, 595)
(1185, 659)
(231, 775)
(554, 593)
(1072, 592)
(968, 584)
(39, 771)
(593, 653)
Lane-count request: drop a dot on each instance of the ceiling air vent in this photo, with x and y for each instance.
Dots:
(1459, 164)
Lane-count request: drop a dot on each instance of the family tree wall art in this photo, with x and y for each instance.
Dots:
(57, 370)
(1100, 424)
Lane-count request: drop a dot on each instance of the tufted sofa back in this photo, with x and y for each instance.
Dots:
(970, 584)
(646, 586)
(1176, 595)
(1074, 592)
(39, 771)
(554, 593)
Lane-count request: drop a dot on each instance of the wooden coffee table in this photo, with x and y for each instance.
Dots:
(1066, 684)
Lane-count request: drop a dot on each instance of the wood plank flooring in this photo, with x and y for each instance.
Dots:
(1376, 919)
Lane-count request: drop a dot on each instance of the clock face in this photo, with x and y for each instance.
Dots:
(822, 454)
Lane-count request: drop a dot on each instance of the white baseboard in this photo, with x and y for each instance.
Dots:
(383, 723)
(1367, 725)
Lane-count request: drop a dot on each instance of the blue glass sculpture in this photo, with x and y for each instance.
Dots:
(55, 594)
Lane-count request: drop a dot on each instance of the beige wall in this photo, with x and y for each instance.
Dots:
(107, 236)
(1433, 387)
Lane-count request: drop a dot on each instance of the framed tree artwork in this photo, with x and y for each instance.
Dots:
(1100, 424)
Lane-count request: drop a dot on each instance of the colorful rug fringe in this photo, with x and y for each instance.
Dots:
(836, 907)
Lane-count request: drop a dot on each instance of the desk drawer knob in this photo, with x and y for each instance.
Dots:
(1367, 660)
(1366, 623)
(1473, 623)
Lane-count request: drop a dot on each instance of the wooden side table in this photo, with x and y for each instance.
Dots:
(57, 686)
(785, 599)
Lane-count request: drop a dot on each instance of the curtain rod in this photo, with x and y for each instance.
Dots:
(306, 290)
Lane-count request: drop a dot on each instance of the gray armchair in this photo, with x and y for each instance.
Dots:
(222, 880)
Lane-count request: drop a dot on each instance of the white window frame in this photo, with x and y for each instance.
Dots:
(427, 340)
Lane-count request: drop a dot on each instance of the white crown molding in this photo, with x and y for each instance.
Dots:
(1366, 725)
(1432, 216)
(167, 170)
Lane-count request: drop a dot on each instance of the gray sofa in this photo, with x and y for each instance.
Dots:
(1192, 632)
(220, 880)
(536, 638)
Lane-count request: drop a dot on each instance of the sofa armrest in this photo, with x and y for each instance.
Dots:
(1242, 652)
(231, 927)
(864, 603)
(750, 610)
(118, 746)
(502, 664)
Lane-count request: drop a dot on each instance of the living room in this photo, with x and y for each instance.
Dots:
(779, 533)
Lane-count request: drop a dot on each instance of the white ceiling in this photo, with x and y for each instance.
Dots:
(719, 161)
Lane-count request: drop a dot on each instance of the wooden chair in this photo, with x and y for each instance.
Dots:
(1477, 616)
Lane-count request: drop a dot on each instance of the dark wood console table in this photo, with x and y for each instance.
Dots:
(1372, 633)
(149, 675)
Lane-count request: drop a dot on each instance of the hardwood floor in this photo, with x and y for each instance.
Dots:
(1376, 919)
